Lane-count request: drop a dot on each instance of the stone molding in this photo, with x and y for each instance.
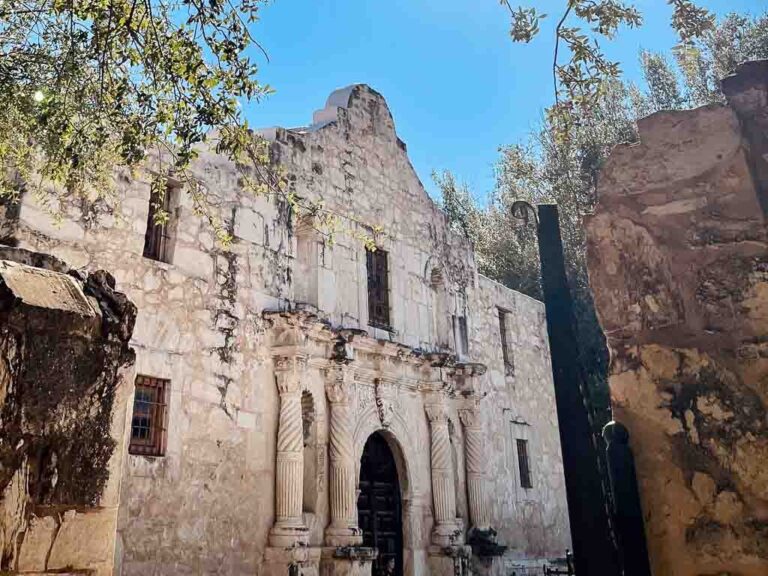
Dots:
(376, 361)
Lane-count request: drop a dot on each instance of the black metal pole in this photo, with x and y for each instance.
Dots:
(627, 513)
(594, 549)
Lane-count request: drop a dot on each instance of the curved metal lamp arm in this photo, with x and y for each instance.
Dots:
(523, 210)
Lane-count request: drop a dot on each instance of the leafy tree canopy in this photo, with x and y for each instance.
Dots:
(581, 72)
(90, 85)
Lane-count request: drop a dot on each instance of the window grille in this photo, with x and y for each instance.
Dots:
(524, 464)
(378, 288)
(158, 239)
(148, 424)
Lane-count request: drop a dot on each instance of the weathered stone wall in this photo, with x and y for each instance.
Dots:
(533, 522)
(65, 383)
(678, 264)
(207, 323)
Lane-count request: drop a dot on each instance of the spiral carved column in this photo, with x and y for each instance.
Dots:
(289, 528)
(475, 467)
(343, 529)
(446, 530)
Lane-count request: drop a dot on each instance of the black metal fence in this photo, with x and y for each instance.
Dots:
(606, 518)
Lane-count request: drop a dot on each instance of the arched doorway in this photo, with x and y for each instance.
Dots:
(379, 507)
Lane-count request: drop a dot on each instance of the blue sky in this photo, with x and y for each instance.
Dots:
(457, 85)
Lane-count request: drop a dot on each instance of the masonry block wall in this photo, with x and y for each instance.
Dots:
(678, 260)
(246, 338)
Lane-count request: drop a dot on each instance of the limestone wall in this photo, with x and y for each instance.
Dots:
(207, 506)
(678, 261)
(520, 404)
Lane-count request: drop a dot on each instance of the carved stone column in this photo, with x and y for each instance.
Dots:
(289, 529)
(446, 531)
(475, 465)
(343, 529)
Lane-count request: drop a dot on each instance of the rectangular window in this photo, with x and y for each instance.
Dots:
(378, 288)
(160, 236)
(461, 336)
(506, 350)
(148, 424)
(524, 464)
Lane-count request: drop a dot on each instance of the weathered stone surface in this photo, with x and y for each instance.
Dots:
(678, 259)
(218, 324)
(63, 403)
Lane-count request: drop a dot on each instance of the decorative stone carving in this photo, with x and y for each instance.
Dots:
(289, 529)
(343, 529)
(384, 404)
(446, 531)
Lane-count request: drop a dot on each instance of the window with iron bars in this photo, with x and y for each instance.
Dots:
(378, 288)
(149, 421)
(160, 236)
(524, 464)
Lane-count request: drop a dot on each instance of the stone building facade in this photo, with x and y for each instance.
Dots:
(298, 400)
(678, 262)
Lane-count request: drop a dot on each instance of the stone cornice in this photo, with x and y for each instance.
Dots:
(375, 362)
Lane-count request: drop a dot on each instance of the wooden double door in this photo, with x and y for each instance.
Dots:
(379, 506)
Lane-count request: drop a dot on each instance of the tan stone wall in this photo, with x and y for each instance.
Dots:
(207, 506)
(678, 261)
(521, 404)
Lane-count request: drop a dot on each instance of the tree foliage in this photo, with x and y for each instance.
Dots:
(90, 85)
(581, 72)
(551, 169)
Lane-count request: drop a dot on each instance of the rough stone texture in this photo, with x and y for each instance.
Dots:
(222, 324)
(65, 383)
(679, 268)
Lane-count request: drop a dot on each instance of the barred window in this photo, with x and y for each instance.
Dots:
(378, 288)
(148, 425)
(159, 239)
(524, 464)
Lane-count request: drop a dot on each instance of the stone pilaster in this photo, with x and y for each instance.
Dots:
(289, 529)
(343, 529)
(446, 530)
(475, 467)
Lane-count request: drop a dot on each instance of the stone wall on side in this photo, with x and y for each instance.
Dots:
(678, 261)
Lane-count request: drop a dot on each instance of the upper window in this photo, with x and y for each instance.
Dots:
(378, 288)
(524, 464)
(148, 424)
(159, 238)
(461, 336)
(506, 341)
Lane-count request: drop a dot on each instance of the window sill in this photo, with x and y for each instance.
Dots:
(383, 327)
(159, 263)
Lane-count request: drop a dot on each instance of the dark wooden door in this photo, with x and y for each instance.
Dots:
(378, 506)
